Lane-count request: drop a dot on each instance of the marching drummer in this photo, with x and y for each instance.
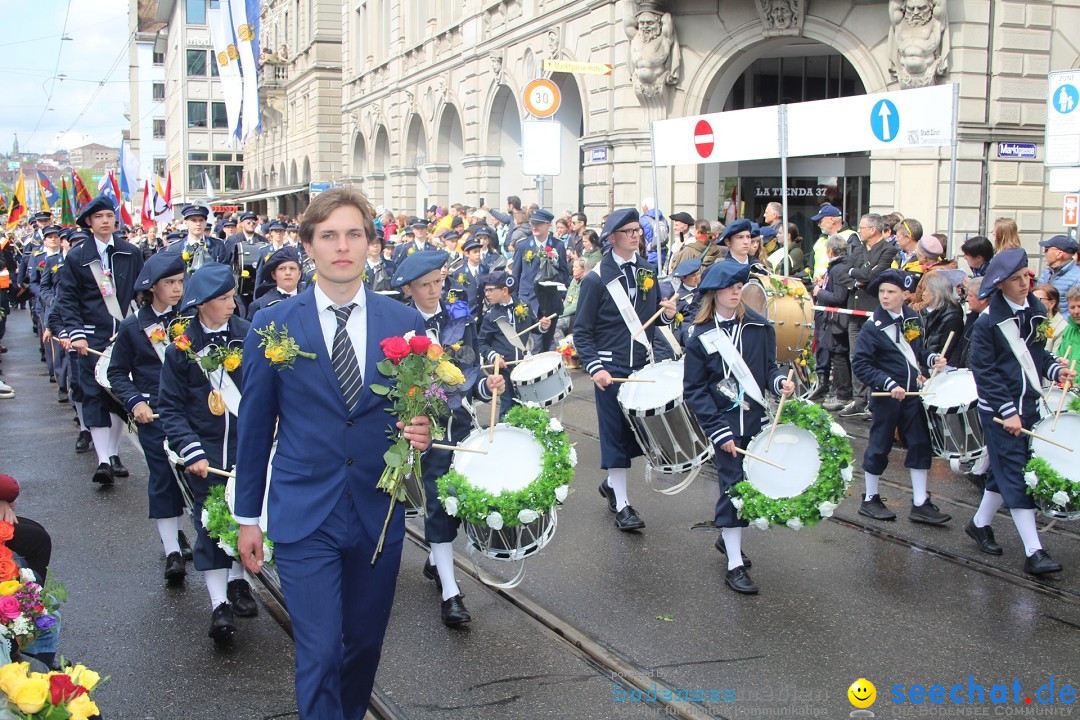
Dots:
(730, 364)
(135, 373)
(282, 278)
(449, 325)
(202, 430)
(888, 356)
(502, 333)
(1009, 360)
(738, 236)
(615, 299)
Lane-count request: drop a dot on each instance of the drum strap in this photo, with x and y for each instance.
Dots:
(902, 346)
(159, 348)
(510, 333)
(111, 303)
(716, 341)
(630, 318)
(1011, 331)
(223, 383)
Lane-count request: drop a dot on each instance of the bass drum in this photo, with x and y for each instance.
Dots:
(245, 256)
(791, 315)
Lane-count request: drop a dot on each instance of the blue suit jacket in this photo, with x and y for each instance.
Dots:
(322, 448)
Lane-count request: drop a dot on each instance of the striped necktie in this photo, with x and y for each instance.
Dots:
(343, 358)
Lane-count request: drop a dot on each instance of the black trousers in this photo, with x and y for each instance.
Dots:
(32, 542)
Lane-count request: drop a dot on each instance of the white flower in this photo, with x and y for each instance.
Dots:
(495, 521)
(527, 516)
(554, 425)
(1031, 479)
(205, 518)
(826, 509)
(838, 430)
(451, 506)
(573, 457)
(27, 575)
(846, 474)
(268, 553)
(409, 335)
(1060, 498)
(562, 491)
(231, 552)
(761, 524)
(737, 502)
(529, 403)
(21, 625)
(794, 523)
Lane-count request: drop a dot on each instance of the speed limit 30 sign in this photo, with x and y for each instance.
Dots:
(542, 98)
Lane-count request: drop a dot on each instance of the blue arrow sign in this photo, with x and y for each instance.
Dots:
(1066, 99)
(885, 121)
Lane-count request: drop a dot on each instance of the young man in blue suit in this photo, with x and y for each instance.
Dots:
(324, 512)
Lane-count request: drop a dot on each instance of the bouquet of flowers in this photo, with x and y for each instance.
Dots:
(48, 696)
(569, 352)
(24, 614)
(426, 383)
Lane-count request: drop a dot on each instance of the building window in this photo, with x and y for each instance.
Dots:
(196, 63)
(198, 157)
(196, 12)
(159, 58)
(196, 114)
(222, 157)
(234, 177)
(196, 181)
(159, 128)
(159, 91)
(159, 166)
(219, 119)
(215, 71)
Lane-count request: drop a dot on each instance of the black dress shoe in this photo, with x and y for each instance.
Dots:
(118, 467)
(627, 520)
(983, 537)
(175, 569)
(62, 395)
(432, 573)
(222, 625)
(454, 612)
(876, 509)
(607, 492)
(928, 513)
(82, 443)
(185, 547)
(1041, 563)
(722, 547)
(104, 474)
(240, 597)
(52, 378)
(739, 581)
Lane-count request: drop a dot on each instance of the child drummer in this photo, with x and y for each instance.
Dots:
(730, 362)
(888, 355)
(1009, 359)
(450, 325)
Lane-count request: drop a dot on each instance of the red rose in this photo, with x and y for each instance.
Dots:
(395, 348)
(419, 344)
(62, 689)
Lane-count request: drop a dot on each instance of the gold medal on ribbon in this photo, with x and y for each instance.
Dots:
(216, 402)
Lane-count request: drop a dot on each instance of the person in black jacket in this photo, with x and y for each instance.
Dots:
(976, 306)
(941, 316)
(831, 328)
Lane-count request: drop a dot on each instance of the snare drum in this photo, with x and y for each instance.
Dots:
(514, 448)
(542, 379)
(952, 413)
(1053, 399)
(795, 450)
(101, 369)
(671, 440)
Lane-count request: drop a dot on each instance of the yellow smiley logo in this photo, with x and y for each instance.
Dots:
(862, 693)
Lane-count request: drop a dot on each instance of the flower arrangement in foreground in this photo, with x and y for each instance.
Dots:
(823, 495)
(55, 695)
(221, 525)
(1056, 494)
(464, 500)
(25, 612)
(426, 383)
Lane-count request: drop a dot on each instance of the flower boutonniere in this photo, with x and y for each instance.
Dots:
(911, 329)
(57, 266)
(159, 335)
(678, 320)
(529, 255)
(177, 328)
(463, 278)
(280, 348)
(520, 311)
(1044, 331)
(41, 265)
(645, 280)
(364, 277)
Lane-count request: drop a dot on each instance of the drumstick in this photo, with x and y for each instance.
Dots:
(536, 324)
(906, 394)
(944, 349)
(1064, 396)
(752, 456)
(844, 311)
(92, 351)
(494, 404)
(615, 380)
(458, 448)
(779, 409)
(1037, 436)
(504, 363)
(655, 315)
(222, 473)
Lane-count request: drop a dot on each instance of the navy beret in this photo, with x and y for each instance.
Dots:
(687, 267)
(541, 216)
(192, 211)
(755, 229)
(899, 278)
(617, 219)
(101, 202)
(210, 281)
(827, 210)
(284, 255)
(472, 244)
(499, 279)
(175, 236)
(1061, 242)
(768, 233)
(417, 265)
(1000, 268)
(249, 216)
(736, 227)
(157, 266)
(724, 274)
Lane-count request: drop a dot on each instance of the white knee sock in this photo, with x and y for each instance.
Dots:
(733, 542)
(871, 484)
(236, 572)
(991, 503)
(217, 584)
(616, 480)
(116, 434)
(100, 436)
(1025, 525)
(918, 486)
(442, 555)
(168, 529)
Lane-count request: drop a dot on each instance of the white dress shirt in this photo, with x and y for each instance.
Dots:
(356, 326)
(103, 255)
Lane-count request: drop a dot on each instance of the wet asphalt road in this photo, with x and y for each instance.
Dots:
(897, 603)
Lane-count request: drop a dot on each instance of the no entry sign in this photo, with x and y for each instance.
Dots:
(703, 138)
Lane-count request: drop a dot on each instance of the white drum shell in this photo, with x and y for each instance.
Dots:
(952, 414)
(542, 379)
(669, 436)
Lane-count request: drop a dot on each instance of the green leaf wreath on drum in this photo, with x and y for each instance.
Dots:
(813, 480)
(1051, 476)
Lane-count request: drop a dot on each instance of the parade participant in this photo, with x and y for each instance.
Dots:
(738, 238)
(468, 275)
(324, 512)
(1009, 359)
(491, 258)
(887, 357)
(292, 235)
(276, 229)
(247, 233)
(135, 374)
(1061, 270)
(200, 436)
(199, 247)
(732, 354)
(282, 273)
(378, 270)
(47, 288)
(231, 236)
(542, 299)
(450, 326)
(58, 336)
(615, 299)
(96, 292)
(499, 336)
(418, 242)
(50, 245)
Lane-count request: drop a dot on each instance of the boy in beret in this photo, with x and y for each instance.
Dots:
(282, 273)
(499, 332)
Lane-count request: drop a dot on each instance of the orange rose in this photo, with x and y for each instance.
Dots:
(434, 352)
(7, 531)
(158, 335)
(183, 343)
(5, 552)
(8, 570)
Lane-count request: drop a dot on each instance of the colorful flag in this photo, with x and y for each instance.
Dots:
(17, 211)
(147, 214)
(48, 190)
(111, 189)
(245, 23)
(163, 211)
(227, 58)
(129, 170)
(67, 218)
(82, 195)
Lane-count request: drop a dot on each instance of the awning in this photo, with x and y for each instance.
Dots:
(264, 195)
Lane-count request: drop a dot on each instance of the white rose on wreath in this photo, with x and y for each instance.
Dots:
(205, 518)
(838, 430)
(1031, 479)
(527, 516)
(573, 457)
(1060, 498)
(451, 506)
(761, 523)
(495, 521)
(737, 503)
(554, 425)
(562, 491)
(794, 523)
(846, 474)
(826, 508)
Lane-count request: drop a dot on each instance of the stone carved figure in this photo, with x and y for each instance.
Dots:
(782, 17)
(918, 41)
(497, 67)
(655, 56)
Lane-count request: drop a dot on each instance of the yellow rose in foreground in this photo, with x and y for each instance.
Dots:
(82, 708)
(82, 675)
(9, 587)
(231, 361)
(12, 676)
(448, 372)
(31, 695)
(275, 354)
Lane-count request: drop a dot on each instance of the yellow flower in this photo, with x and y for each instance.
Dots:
(177, 329)
(449, 373)
(82, 675)
(186, 255)
(521, 310)
(1049, 331)
(82, 708)
(231, 361)
(31, 695)
(528, 255)
(12, 676)
(456, 346)
(9, 587)
(911, 335)
(245, 274)
(275, 354)
(799, 290)
(461, 278)
(434, 352)
(647, 283)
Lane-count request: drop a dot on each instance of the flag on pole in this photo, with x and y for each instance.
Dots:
(208, 185)
(163, 211)
(82, 195)
(44, 197)
(48, 190)
(146, 218)
(17, 211)
(110, 188)
(245, 23)
(67, 218)
(228, 60)
(129, 170)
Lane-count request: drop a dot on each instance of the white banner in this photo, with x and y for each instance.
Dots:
(227, 57)
(244, 34)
